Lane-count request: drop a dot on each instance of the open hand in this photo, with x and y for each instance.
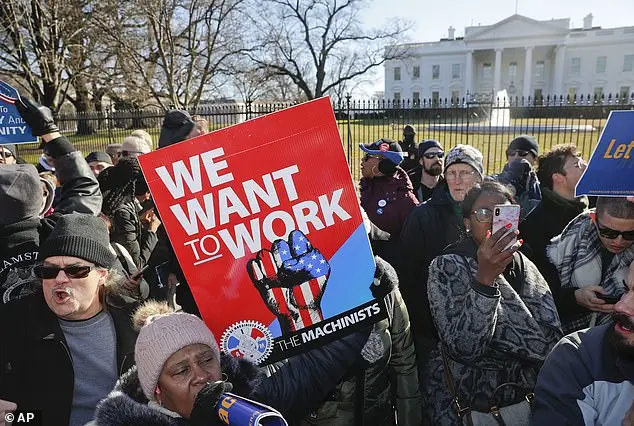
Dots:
(492, 256)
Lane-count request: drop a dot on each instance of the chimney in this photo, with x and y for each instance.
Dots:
(451, 33)
(587, 22)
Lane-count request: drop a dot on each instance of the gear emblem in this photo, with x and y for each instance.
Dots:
(247, 339)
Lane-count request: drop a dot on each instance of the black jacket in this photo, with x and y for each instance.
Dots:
(127, 231)
(430, 228)
(293, 387)
(36, 369)
(20, 242)
(546, 221)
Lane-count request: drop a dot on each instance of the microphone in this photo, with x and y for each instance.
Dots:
(236, 410)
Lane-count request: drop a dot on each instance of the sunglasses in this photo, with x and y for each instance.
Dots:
(613, 234)
(433, 155)
(73, 271)
(366, 157)
(6, 154)
(483, 215)
(518, 152)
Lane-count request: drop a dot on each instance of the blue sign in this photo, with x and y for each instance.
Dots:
(610, 172)
(12, 128)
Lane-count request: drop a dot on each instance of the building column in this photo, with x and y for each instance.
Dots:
(528, 71)
(497, 71)
(560, 57)
(468, 74)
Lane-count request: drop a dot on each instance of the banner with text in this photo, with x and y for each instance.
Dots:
(266, 224)
(610, 172)
(12, 128)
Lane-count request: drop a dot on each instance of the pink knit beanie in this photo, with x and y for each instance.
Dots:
(162, 333)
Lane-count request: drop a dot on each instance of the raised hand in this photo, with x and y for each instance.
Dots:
(291, 279)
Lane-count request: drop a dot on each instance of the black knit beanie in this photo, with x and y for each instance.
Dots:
(79, 235)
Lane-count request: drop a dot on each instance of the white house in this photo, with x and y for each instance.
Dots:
(524, 56)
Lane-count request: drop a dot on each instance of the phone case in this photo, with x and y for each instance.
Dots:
(504, 214)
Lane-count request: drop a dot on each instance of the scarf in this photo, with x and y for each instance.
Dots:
(576, 254)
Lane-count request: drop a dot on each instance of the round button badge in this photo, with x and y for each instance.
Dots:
(382, 203)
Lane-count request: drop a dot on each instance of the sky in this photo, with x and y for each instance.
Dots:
(431, 19)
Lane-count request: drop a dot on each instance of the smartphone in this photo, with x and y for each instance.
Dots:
(503, 214)
(608, 298)
(140, 271)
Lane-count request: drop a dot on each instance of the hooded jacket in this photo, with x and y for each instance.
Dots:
(294, 387)
(388, 200)
(20, 237)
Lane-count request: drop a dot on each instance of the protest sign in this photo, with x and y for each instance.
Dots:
(12, 128)
(266, 224)
(610, 172)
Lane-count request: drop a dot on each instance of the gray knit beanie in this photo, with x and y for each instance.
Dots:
(465, 154)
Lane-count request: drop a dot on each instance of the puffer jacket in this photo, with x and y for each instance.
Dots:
(430, 228)
(387, 386)
(388, 200)
(20, 242)
(491, 334)
(293, 387)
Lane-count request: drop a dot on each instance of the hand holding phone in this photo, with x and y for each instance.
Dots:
(504, 214)
(608, 298)
(140, 272)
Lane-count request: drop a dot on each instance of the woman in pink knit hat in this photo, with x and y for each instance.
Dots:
(180, 374)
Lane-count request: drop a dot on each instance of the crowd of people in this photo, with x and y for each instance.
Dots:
(527, 324)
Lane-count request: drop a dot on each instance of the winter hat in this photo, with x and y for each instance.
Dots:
(20, 193)
(11, 148)
(135, 144)
(176, 126)
(425, 145)
(465, 154)
(162, 333)
(525, 143)
(100, 156)
(79, 235)
(385, 147)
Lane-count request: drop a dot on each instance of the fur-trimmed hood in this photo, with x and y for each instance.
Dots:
(127, 405)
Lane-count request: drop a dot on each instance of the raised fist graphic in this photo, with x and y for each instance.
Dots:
(291, 279)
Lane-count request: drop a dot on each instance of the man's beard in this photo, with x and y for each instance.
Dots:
(624, 349)
(434, 170)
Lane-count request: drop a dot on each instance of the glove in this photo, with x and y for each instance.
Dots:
(38, 117)
(205, 410)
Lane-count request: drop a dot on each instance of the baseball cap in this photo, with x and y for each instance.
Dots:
(385, 147)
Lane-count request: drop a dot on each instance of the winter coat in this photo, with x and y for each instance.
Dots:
(126, 230)
(423, 193)
(20, 242)
(430, 228)
(370, 397)
(388, 200)
(36, 369)
(294, 388)
(492, 334)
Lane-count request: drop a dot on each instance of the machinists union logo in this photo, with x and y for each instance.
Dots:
(247, 339)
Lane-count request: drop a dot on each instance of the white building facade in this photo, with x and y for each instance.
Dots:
(526, 57)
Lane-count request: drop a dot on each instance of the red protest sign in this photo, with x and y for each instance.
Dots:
(265, 222)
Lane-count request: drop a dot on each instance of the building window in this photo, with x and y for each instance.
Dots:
(624, 92)
(397, 73)
(455, 71)
(512, 72)
(598, 93)
(435, 98)
(539, 70)
(575, 66)
(416, 73)
(601, 64)
(486, 71)
(435, 72)
(416, 98)
(572, 92)
(628, 63)
(455, 97)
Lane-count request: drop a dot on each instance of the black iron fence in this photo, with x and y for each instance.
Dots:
(486, 123)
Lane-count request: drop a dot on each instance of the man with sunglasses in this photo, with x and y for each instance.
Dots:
(428, 174)
(68, 342)
(589, 263)
(523, 147)
(22, 223)
(7, 154)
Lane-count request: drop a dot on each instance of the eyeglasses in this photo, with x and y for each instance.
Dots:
(73, 271)
(366, 157)
(613, 234)
(464, 175)
(483, 215)
(517, 152)
(6, 154)
(432, 155)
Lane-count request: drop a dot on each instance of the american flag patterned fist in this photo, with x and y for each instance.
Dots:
(291, 278)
